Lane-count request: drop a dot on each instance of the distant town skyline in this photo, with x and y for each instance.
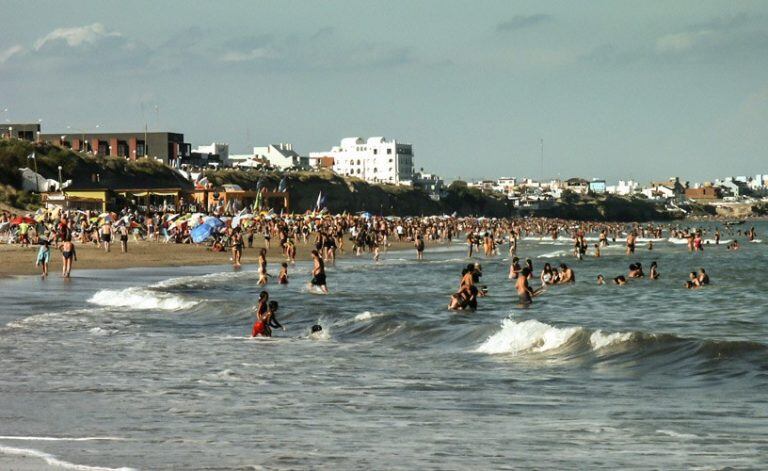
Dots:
(616, 90)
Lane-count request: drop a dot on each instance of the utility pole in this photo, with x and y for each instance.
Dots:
(542, 160)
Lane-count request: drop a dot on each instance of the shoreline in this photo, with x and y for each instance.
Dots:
(20, 261)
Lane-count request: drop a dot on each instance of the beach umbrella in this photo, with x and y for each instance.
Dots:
(171, 217)
(20, 219)
(213, 222)
(201, 233)
(4, 226)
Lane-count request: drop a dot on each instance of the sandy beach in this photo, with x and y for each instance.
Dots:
(17, 260)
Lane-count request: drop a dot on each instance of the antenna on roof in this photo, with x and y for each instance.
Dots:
(542, 159)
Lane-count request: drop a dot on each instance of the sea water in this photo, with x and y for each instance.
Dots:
(153, 368)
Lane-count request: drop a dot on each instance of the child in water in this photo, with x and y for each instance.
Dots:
(282, 278)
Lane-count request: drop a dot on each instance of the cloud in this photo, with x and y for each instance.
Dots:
(253, 54)
(74, 37)
(323, 49)
(10, 52)
(518, 22)
(738, 40)
(682, 42)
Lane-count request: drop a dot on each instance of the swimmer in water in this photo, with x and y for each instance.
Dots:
(317, 328)
(694, 279)
(631, 238)
(271, 319)
(566, 274)
(524, 291)
(282, 278)
(514, 269)
(654, 271)
(259, 326)
(600, 280)
(597, 250)
(263, 275)
(318, 273)
(703, 277)
(620, 280)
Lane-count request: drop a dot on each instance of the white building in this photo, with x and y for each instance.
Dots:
(375, 160)
(280, 156)
(624, 188)
(216, 148)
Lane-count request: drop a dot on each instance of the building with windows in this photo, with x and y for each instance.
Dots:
(281, 156)
(26, 131)
(375, 160)
(597, 186)
(166, 146)
(215, 154)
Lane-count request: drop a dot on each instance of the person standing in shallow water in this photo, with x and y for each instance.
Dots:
(68, 253)
(318, 273)
(419, 244)
(263, 275)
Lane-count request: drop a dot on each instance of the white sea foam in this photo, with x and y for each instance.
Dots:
(53, 461)
(61, 439)
(203, 280)
(531, 335)
(674, 434)
(78, 317)
(367, 315)
(555, 254)
(600, 339)
(141, 298)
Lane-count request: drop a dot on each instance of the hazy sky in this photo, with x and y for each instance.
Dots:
(615, 89)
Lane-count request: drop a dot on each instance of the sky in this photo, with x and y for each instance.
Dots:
(615, 89)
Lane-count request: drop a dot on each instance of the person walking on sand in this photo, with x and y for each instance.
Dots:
(106, 235)
(237, 248)
(123, 232)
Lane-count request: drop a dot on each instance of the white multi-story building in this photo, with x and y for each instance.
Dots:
(624, 188)
(280, 156)
(375, 160)
(216, 148)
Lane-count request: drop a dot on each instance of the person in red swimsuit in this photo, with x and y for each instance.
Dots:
(261, 312)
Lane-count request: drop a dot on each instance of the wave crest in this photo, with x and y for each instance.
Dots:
(141, 298)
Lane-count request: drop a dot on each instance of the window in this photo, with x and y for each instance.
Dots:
(375, 151)
(389, 151)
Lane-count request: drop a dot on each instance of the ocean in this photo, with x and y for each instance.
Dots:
(154, 369)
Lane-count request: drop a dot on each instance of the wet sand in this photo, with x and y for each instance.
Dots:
(16, 260)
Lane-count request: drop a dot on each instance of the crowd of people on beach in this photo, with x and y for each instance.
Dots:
(327, 234)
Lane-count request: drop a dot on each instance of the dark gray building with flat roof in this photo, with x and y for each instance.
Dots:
(26, 131)
(166, 146)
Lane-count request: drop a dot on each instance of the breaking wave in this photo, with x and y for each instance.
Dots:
(51, 460)
(532, 336)
(141, 298)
